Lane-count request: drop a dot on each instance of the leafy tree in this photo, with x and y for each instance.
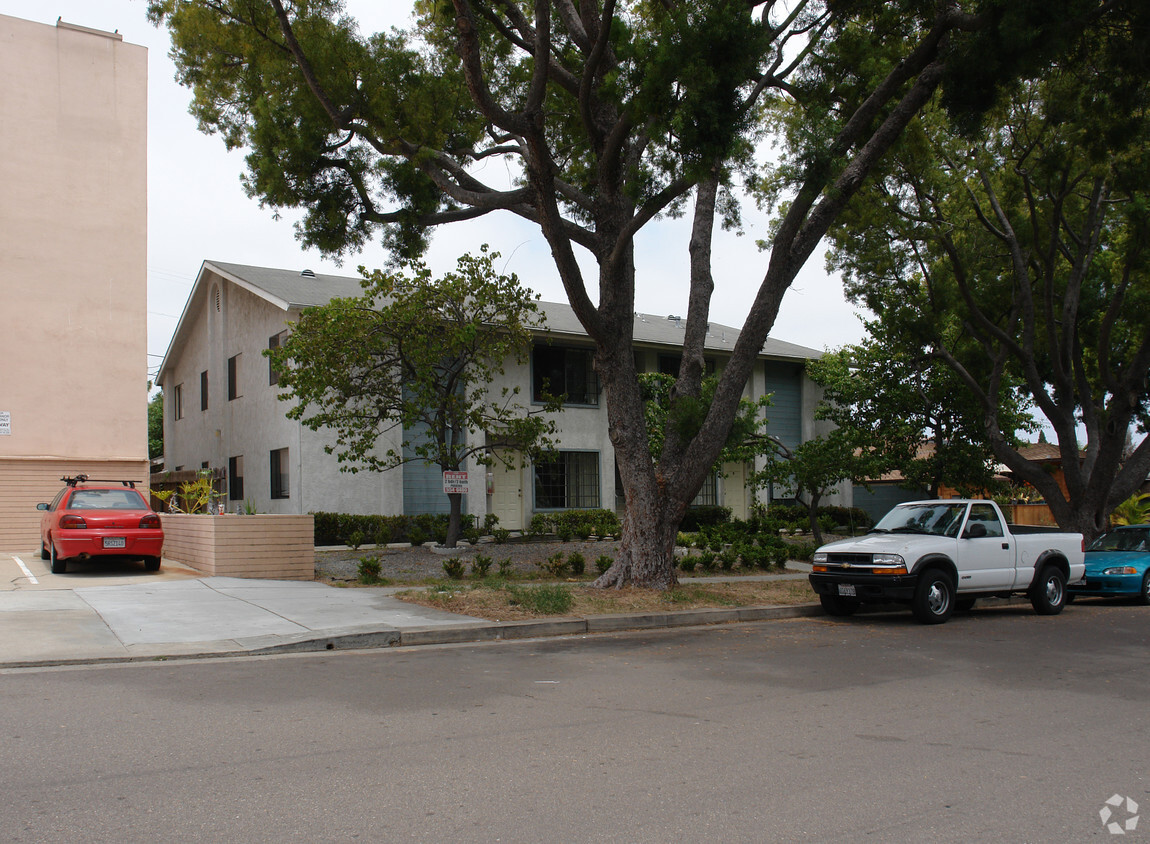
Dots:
(890, 399)
(417, 355)
(607, 116)
(1019, 258)
(156, 426)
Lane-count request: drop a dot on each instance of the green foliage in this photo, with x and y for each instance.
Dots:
(340, 528)
(688, 563)
(577, 563)
(368, 568)
(567, 524)
(419, 354)
(196, 496)
(705, 515)
(1135, 510)
(506, 567)
(453, 567)
(545, 599)
(602, 563)
(156, 426)
(480, 566)
(355, 540)
(501, 535)
(555, 565)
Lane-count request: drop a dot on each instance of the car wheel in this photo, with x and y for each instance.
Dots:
(933, 600)
(44, 555)
(836, 606)
(58, 566)
(964, 604)
(1048, 592)
(1144, 595)
(151, 563)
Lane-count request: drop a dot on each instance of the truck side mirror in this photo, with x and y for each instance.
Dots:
(976, 530)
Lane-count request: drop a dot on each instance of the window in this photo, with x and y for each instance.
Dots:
(279, 460)
(236, 478)
(569, 481)
(274, 342)
(204, 390)
(984, 514)
(669, 365)
(709, 494)
(204, 465)
(178, 403)
(233, 378)
(564, 372)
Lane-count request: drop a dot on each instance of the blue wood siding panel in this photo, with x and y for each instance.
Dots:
(784, 381)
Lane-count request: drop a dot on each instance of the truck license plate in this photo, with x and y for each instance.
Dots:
(847, 590)
(121, 542)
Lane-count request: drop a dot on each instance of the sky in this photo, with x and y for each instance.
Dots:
(197, 211)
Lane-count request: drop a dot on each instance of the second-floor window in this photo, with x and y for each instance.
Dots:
(566, 372)
(234, 377)
(178, 402)
(204, 390)
(274, 342)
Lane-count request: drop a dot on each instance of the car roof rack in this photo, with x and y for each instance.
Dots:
(83, 479)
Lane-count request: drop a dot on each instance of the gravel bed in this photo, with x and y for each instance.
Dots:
(342, 564)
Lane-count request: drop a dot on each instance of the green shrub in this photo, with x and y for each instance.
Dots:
(355, 540)
(546, 599)
(506, 567)
(480, 566)
(577, 564)
(802, 551)
(554, 565)
(369, 569)
(727, 560)
(501, 535)
(707, 561)
(689, 562)
(602, 563)
(453, 568)
(539, 525)
(709, 514)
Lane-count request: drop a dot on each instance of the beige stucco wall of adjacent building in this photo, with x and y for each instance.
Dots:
(73, 263)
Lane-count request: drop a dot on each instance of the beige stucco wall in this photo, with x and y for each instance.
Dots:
(73, 257)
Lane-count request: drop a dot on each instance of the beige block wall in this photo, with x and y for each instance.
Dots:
(278, 547)
(73, 260)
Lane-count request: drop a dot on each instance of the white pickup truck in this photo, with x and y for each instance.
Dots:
(940, 556)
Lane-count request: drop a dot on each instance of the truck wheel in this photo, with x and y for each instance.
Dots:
(834, 605)
(1048, 592)
(1144, 594)
(933, 600)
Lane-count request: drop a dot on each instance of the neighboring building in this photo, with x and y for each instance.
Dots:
(73, 254)
(221, 409)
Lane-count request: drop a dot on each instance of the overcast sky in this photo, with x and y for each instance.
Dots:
(197, 211)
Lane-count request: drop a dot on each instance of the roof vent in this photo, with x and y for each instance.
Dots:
(307, 274)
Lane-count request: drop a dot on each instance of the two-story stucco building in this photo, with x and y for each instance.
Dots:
(73, 256)
(222, 411)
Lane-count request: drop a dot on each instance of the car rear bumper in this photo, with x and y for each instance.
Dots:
(90, 543)
(866, 587)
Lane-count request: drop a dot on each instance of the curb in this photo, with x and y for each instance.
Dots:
(464, 633)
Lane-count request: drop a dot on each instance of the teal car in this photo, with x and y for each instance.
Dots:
(1117, 566)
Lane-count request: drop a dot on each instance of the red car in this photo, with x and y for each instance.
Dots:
(91, 518)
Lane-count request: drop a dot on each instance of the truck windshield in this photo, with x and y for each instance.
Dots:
(939, 519)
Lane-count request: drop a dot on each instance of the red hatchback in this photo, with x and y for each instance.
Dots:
(96, 519)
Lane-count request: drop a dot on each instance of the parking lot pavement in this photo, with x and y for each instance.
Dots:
(116, 610)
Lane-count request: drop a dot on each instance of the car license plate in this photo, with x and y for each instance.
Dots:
(847, 590)
(115, 542)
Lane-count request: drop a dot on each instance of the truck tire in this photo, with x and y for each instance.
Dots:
(836, 606)
(933, 600)
(1048, 592)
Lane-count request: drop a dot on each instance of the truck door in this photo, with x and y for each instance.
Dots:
(986, 554)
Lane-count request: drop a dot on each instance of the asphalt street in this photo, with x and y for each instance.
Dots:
(1000, 726)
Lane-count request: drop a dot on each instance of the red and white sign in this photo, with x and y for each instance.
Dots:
(455, 482)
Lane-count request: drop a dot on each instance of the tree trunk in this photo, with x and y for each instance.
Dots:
(813, 515)
(647, 547)
(454, 520)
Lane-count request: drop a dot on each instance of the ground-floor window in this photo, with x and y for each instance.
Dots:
(709, 494)
(279, 479)
(569, 481)
(236, 478)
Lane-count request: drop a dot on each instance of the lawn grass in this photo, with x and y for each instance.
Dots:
(501, 600)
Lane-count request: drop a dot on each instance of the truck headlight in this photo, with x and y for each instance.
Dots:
(819, 557)
(888, 560)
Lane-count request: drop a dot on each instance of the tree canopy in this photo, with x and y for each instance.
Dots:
(1019, 257)
(602, 117)
(421, 357)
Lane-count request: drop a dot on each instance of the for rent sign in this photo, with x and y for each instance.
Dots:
(455, 482)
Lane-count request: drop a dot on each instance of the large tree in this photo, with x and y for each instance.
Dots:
(1020, 257)
(422, 357)
(607, 115)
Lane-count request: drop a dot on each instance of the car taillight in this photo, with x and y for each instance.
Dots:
(71, 522)
(151, 521)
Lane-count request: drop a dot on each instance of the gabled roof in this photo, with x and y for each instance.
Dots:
(290, 289)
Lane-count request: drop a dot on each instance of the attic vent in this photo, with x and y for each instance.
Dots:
(216, 298)
(307, 273)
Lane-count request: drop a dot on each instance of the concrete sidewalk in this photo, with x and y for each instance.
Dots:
(103, 612)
